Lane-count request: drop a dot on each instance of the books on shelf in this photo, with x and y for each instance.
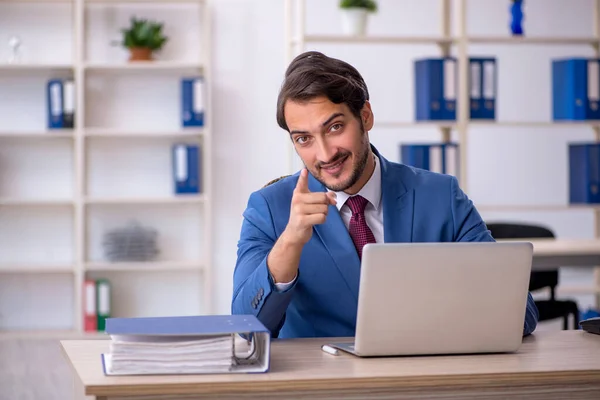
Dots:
(436, 157)
(187, 345)
(186, 168)
(576, 89)
(436, 82)
(60, 96)
(584, 173)
(96, 304)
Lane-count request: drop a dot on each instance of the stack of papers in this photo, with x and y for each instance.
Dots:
(170, 355)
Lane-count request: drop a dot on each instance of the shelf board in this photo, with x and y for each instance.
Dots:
(415, 124)
(179, 199)
(374, 39)
(140, 66)
(484, 123)
(165, 2)
(145, 266)
(36, 269)
(25, 67)
(537, 207)
(537, 124)
(49, 134)
(14, 201)
(119, 134)
(548, 40)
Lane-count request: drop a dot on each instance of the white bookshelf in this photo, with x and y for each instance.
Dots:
(453, 39)
(62, 190)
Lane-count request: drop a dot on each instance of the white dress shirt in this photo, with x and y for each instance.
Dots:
(373, 211)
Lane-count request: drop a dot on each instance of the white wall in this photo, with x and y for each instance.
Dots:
(249, 65)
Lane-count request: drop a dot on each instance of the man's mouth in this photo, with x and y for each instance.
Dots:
(335, 167)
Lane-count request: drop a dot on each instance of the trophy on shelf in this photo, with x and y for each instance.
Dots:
(14, 42)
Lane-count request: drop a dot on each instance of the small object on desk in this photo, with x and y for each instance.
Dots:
(329, 350)
(591, 325)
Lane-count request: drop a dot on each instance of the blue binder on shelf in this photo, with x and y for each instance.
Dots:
(435, 89)
(482, 87)
(442, 158)
(186, 168)
(60, 100)
(576, 89)
(584, 173)
(192, 102)
(202, 344)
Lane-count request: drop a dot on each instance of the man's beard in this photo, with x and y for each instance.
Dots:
(357, 171)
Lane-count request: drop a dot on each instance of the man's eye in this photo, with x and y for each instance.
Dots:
(336, 127)
(301, 139)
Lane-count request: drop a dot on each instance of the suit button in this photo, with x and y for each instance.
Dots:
(261, 291)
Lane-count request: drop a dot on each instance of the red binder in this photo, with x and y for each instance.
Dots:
(89, 306)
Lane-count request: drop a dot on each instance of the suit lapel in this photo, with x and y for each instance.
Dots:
(398, 204)
(337, 241)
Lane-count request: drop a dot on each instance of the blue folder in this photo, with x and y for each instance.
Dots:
(186, 168)
(192, 102)
(162, 329)
(576, 89)
(435, 157)
(435, 89)
(483, 84)
(584, 173)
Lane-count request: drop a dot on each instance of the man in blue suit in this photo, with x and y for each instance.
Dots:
(298, 263)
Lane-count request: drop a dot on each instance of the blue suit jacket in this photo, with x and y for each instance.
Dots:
(418, 206)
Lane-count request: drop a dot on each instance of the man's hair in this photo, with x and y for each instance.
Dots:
(313, 74)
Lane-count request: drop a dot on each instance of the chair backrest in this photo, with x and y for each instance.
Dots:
(539, 279)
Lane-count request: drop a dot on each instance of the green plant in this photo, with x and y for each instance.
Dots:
(369, 5)
(144, 34)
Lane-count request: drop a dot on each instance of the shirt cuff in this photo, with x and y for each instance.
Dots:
(282, 286)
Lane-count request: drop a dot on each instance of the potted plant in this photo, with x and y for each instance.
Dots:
(355, 14)
(143, 38)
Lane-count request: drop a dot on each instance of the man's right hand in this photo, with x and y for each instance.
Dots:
(307, 209)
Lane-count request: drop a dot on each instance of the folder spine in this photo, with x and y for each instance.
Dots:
(192, 101)
(435, 89)
(576, 89)
(435, 157)
(103, 304)
(186, 168)
(89, 305)
(584, 173)
(54, 100)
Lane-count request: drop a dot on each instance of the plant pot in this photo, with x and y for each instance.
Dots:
(354, 21)
(140, 54)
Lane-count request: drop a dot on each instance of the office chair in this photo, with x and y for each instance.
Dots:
(551, 308)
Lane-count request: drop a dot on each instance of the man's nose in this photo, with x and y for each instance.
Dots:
(325, 151)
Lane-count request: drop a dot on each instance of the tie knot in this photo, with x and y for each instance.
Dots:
(357, 204)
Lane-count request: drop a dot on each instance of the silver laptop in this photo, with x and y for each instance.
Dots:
(441, 298)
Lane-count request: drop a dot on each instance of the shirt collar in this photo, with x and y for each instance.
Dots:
(370, 191)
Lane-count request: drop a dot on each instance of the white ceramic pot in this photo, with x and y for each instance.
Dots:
(354, 21)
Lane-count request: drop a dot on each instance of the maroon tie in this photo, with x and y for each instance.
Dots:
(359, 230)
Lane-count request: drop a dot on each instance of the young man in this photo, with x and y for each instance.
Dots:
(301, 241)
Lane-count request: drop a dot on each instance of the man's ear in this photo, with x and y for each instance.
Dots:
(366, 115)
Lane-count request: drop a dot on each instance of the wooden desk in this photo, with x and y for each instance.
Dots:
(552, 253)
(549, 365)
